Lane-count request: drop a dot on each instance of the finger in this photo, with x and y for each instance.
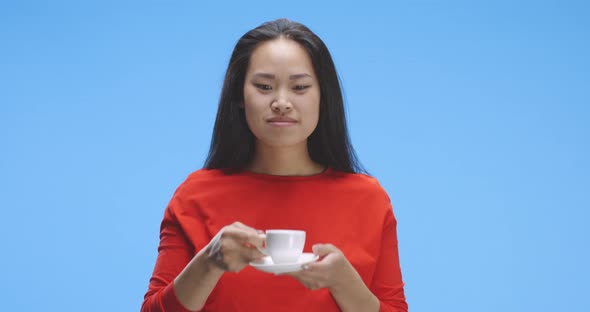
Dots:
(242, 226)
(305, 275)
(310, 283)
(237, 229)
(250, 253)
(322, 250)
(254, 240)
(314, 267)
(237, 234)
(246, 236)
(246, 228)
(320, 265)
(292, 274)
(295, 274)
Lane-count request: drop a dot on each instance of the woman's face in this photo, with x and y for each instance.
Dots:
(281, 94)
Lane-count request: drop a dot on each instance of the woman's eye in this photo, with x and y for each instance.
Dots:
(263, 87)
(300, 88)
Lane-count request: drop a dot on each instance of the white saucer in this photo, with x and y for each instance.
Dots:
(265, 264)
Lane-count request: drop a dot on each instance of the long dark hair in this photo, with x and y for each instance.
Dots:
(233, 144)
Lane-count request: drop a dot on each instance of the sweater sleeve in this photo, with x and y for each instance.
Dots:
(387, 283)
(174, 253)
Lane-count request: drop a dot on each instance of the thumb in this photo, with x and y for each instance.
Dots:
(322, 250)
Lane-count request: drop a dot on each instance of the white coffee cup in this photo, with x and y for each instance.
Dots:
(283, 246)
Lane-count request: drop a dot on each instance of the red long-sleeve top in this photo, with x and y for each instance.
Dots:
(350, 211)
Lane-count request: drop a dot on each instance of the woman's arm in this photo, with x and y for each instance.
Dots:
(196, 282)
(230, 250)
(182, 281)
(387, 284)
(174, 253)
(334, 271)
(355, 296)
(350, 292)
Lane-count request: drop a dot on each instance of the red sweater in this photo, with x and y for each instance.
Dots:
(350, 211)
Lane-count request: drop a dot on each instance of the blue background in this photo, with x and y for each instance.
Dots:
(474, 115)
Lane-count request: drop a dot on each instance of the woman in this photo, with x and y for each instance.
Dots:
(280, 158)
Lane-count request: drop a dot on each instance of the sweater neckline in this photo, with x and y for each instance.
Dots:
(273, 177)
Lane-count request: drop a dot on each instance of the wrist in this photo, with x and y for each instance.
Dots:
(196, 282)
(351, 294)
(207, 264)
(348, 283)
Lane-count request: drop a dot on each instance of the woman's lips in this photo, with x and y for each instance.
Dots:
(282, 121)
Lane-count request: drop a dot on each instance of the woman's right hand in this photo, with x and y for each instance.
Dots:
(234, 247)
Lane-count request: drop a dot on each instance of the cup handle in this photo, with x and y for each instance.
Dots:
(262, 250)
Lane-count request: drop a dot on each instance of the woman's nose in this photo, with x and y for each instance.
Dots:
(281, 106)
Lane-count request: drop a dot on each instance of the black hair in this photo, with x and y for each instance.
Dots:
(233, 144)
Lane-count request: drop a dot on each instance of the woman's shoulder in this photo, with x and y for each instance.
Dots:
(359, 178)
(204, 174)
(363, 183)
(199, 178)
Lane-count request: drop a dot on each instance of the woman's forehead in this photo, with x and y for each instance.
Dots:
(280, 56)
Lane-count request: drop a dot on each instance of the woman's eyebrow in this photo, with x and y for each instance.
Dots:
(264, 75)
(297, 76)
(291, 77)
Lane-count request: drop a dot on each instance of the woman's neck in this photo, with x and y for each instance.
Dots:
(284, 161)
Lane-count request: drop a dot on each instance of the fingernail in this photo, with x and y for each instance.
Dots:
(305, 267)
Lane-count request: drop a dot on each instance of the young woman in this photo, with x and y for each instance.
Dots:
(280, 158)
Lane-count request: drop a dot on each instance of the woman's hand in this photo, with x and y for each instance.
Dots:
(234, 247)
(331, 271)
(334, 271)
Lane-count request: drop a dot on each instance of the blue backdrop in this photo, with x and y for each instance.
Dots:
(474, 115)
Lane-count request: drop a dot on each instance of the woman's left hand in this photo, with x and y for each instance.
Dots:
(331, 271)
